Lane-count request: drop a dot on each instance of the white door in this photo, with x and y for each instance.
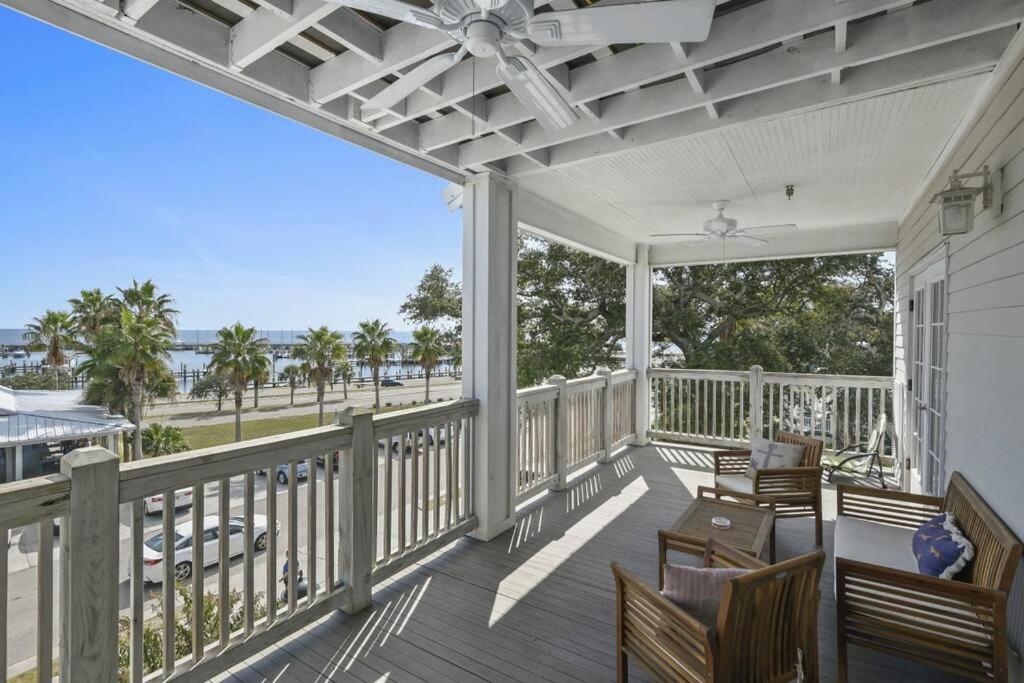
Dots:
(928, 377)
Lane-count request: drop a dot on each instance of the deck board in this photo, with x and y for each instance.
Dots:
(537, 603)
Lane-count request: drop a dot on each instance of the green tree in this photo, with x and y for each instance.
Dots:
(427, 349)
(373, 343)
(293, 375)
(239, 356)
(320, 350)
(437, 298)
(572, 311)
(146, 300)
(38, 381)
(159, 439)
(90, 311)
(344, 373)
(54, 334)
(820, 315)
(212, 385)
(129, 361)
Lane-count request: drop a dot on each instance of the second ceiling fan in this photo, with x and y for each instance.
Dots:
(722, 228)
(489, 28)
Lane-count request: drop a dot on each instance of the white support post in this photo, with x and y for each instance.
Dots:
(638, 337)
(606, 414)
(561, 432)
(489, 252)
(756, 401)
(89, 543)
(356, 534)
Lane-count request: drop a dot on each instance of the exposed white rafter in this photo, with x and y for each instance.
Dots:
(555, 223)
(912, 30)
(264, 30)
(943, 62)
(353, 31)
(133, 10)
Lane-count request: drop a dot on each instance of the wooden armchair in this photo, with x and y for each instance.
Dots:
(796, 490)
(778, 599)
(883, 603)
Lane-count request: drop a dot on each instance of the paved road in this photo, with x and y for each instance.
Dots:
(192, 413)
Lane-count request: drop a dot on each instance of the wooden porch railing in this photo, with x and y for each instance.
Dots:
(395, 487)
(725, 407)
(564, 425)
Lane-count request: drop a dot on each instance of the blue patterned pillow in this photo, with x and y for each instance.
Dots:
(941, 550)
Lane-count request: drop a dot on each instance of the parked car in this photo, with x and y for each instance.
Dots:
(391, 383)
(428, 434)
(152, 505)
(153, 547)
(282, 471)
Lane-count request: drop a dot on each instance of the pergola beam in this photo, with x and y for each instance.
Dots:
(352, 30)
(552, 222)
(921, 27)
(743, 31)
(264, 30)
(133, 10)
(945, 62)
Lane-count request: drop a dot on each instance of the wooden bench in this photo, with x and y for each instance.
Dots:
(883, 603)
(796, 490)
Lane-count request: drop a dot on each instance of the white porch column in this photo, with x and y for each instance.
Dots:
(639, 296)
(489, 346)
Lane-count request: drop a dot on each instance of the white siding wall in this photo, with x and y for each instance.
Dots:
(985, 271)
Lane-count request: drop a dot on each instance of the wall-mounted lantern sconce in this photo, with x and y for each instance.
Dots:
(956, 205)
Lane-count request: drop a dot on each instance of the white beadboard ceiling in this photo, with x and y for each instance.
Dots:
(851, 164)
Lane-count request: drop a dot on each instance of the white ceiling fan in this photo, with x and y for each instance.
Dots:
(487, 28)
(722, 228)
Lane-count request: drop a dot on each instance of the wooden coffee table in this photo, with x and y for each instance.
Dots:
(753, 526)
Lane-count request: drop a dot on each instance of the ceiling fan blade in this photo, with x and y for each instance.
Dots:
(770, 229)
(413, 81)
(536, 93)
(681, 234)
(665, 21)
(749, 241)
(395, 9)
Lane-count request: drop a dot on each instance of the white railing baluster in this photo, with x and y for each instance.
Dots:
(414, 488)
(136, 597)
(44, 602)
(329, 568)
(3, 606)
(248, 567)
(311, 515)
(293, 536)
(271, 559)
(437, 479)
(389, 447)
(168, 582)
(224, 560)
(198, 567)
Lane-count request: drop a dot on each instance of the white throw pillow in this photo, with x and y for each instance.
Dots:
(765, 454)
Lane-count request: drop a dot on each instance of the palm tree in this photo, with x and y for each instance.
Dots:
(320, 350)
(258, 379)
(345, 373)
(240, 356)
(130, 353)
(373, 343)
(427, 349)
(145, 300)
(53, 333)
(293, 375)
(158, 439)
(91, 311)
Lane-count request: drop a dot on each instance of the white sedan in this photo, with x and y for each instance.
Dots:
(153, 547)
(155, 504)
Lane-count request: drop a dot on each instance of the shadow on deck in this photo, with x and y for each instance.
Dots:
(537, 603)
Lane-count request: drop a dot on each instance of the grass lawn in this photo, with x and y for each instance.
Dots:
(205, 436)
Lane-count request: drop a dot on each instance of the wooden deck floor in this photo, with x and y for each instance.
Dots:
(537, 604)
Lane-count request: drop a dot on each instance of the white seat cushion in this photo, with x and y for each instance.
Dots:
(735, 482)
(879, 544)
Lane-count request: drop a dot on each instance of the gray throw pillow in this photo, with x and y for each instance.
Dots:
(765, 454)
(698, 590)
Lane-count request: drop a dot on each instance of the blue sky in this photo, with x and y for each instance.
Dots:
(113, 169)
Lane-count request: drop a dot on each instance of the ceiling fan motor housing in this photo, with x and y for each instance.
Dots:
(513, 16)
